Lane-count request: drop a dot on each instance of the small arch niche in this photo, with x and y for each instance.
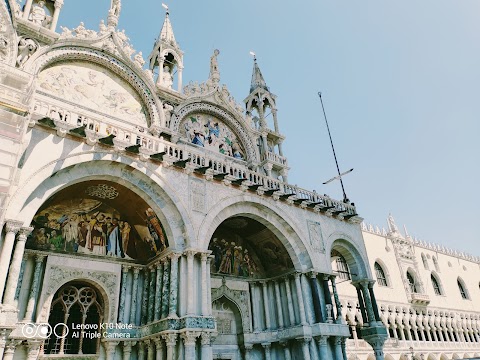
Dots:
(244, 247)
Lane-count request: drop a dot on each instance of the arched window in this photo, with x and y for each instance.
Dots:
(424, 260)
(342, 268)
(435, 263)
(412, 283)
(75, 305)
(436, 286)
(381, 278)
(462, 289)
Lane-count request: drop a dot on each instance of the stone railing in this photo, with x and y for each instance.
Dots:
(421, 299)
(123, 136)
(271, 156)
(396, 345)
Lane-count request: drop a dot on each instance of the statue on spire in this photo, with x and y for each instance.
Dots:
(214, 75)
(114, 13)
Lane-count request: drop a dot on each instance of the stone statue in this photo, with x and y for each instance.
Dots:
(80, 30)
(214, 73)
(167, 112)
(115, 8)
(102, 27)
(37, 16)
(3, 47)
(138, 58)
(66, 32)
(167, 78)
(391, 224)
(26, 47)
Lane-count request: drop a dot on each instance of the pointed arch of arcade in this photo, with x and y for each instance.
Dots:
(355, 258)
(272, 217)
(68, 51)
(144, 182)
(236, 124)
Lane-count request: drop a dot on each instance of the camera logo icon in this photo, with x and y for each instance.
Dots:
(30, 330)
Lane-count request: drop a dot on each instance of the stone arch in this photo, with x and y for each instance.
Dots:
(435, 275)
(467, 356)
(444, 357)
(455, 356)
(175, 54)
(240, 299)
(384, 268)
(356, 261)
(153, 189)
(59, 277)
(272, 217)
(235, 124)
(431, 357)
(65, 52)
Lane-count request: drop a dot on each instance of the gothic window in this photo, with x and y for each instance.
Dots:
(462, 289)
(412, 283)
(425, 263)
(436, 286)
(75, 305)
(381, 278)
(342, 268)
(435, 263)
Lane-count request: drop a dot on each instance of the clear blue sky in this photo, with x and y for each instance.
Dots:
(400, 83)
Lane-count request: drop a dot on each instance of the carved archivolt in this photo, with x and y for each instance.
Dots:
(58, 276)
(69, 53)
(8, 42)
(240, 298)
(234, 124)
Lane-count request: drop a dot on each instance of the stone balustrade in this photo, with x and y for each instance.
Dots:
(271, 156)
(97, 127)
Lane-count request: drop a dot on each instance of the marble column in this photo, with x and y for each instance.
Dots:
(10, 349)
(338, 348)
(301, 304)
(172, 302)
(144, 309)
(374, 301)
(33, 349)
(179, 78)
(279, 304)
(209, 285)
(286, 350)
(151, 293)
(266, 306)
(322, 347)
(361, 303)
(205, 288)
(141, 350)
(127, 350)
(27, 9)
(32, 298)
(133, 304)
(160, 350)
(160, 71)
(368, 303)
(190, 282)
(189, 340)
(150, 349)
(305, 348)
(248, 351)
(291, 312)
(20, 277)
(165, 288)
(14, 271)
(11, 229)
(255, 309)
(3, 341)
(267, 351)
(123, 294)
(206, 342)
(316, 297)
(56, 12)
(338, 304)
(170, 341)
(378, 349)
(158, 292)
(110, 347)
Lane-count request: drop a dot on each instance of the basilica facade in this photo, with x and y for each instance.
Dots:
(147, 219)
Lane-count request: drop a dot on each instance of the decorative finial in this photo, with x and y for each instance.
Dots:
(214, 72)
(165, 6)
(114, 13)
(254, 56)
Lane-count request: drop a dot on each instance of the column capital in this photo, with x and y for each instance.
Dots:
(170, 339)
(189, 337)
(207, 338)
(39, 258)
(24, 232)
(152, 268)
(190, 253)
(204, 256)
(284, 343)
(263, 282)
(174, 256)
(136, 271)
(13, 226)
(322, 340)
(158, 341)
(126, 268)
(304, 339)
(296, 275)
(267, 346)
(158, 265)
(58, 4)
(313, 274)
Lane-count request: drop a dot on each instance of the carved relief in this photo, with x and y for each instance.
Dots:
(316, 238)
(197, 195)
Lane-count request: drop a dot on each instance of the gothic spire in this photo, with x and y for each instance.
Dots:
(166, 34)
(257, 77)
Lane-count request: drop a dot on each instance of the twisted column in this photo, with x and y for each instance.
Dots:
(279, 304)
(158, 292)
(123, 294)
(172, 302)
(133, 305)
(34, 288)
(266, 305)
(12, 227)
